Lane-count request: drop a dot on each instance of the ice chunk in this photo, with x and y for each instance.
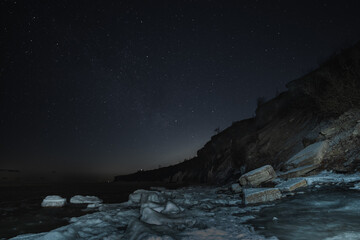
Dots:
(142, 196)
(236, 188)
(94, 205)
(78, 199)
(330, 177)
(155, 206)
(137, 230)
(150, 216)
(53, 201)
(171, 208)
(356, 186)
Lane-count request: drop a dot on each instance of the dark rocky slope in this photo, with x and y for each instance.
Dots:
(318, 106)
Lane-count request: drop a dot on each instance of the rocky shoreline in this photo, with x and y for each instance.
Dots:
(187, 213)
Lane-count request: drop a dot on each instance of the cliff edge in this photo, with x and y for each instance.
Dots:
(323, 105)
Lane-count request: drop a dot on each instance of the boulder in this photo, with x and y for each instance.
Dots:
(298, 172)
(260, 195)
(53, 201)
(257, 176)
(292, 184)
(311, 155)
(236, 188)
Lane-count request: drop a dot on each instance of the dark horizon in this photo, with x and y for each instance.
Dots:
(111, 88)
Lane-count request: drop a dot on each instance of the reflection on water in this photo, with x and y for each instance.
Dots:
(326, 213)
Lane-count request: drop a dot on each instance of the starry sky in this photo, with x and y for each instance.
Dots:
(115, 86)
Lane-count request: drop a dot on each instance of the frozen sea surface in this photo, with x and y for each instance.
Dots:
(325, 213)
(327, 209)
(188, 213)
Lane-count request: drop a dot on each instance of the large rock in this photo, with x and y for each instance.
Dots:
(292, 184)
(260, 195)
(53, 201)
(311, 155)
(258, 176)
(298, 172)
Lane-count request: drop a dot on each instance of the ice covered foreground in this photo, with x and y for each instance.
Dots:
(188, 213)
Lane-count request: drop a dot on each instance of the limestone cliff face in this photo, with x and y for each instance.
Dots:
(308, 112)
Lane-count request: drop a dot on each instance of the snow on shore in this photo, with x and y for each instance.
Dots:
(188, 213)
(330, 177)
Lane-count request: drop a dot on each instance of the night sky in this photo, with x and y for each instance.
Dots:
(115, 86)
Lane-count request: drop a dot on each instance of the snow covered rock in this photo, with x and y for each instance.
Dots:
(171, 208)
(53, 201)
(311, 155)
(258, 176)
(260, 195)
(152, 217)
(155, 206)
(78, 199)
(142, 196)
(236, 188)
(292, 184)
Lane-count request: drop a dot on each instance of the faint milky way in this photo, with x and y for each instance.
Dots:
(115, 86)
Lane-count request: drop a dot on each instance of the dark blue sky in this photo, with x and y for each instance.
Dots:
(115, 86)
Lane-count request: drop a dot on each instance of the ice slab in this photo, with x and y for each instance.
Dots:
(330, 177)
(79, 199)
(141, 196)
(53, 201)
